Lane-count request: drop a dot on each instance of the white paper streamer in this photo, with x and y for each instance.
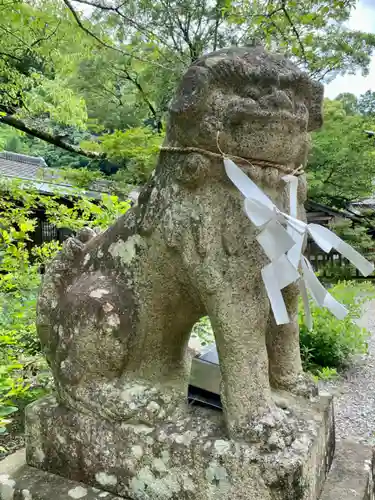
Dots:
(275, 240)
(322, 297)
(306, 304)
(274, 294)
(283, 247)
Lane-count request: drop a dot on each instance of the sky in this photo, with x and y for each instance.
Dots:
(363, 19)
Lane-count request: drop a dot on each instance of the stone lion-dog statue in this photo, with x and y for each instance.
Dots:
(116, 309)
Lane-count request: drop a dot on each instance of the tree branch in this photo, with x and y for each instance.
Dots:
(86, 30)
(136, 83)
(330, 174)
(102, 42)
(45, 136)
(294, 29)
(46, 37)
(11, 56)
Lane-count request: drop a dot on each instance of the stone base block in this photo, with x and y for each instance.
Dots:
(28, 483)
(191, 459)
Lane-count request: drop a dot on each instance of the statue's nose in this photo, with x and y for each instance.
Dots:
(241, 110)
(277, 100)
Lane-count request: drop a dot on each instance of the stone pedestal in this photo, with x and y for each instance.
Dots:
(191, 459)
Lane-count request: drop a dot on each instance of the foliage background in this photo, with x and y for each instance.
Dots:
(23, 372)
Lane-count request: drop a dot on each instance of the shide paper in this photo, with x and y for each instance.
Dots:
(281, 237)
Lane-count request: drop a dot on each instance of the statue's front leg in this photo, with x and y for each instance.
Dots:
(284, 350)
(239, 321)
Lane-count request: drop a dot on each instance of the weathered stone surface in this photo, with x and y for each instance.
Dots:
(187, 460)
(28, 483)
(350, 478)
(116, 309)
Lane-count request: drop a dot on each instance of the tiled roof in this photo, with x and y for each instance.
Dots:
(35, 169)
(20, 166)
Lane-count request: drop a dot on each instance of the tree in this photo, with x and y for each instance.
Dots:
(341, 166)
(114, 66)
(363, 105)
(39, 50)
(349, 102)
(366, 104)
(173, 33)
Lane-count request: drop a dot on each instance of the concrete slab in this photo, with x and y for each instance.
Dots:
(350, 477)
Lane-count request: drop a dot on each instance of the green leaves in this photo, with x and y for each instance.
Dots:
(7, 410)
(20, 277)
(55, 98)
(332, 343)
(339, 149)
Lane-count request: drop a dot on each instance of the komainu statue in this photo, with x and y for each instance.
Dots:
(116, 309)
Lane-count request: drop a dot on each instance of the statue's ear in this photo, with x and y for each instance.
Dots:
(315, 106)
(191, 90)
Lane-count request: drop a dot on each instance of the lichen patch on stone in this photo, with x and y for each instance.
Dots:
(159, 465)
(106, 479)
(98, 293)
(107, 307)
(113, 320)
(217, 475)
(6, 487)
(156, 487)
(125, 250)
(77, 492)
(137, 451)
(221, 446)
(153, 407)
(61, 439)
(39, 455)
(26, 495)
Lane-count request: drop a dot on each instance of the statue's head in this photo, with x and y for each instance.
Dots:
(262, 104)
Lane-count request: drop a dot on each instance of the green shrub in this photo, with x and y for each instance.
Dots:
(332, 343)
(203, 330)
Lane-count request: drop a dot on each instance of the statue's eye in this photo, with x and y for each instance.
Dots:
(297, 84)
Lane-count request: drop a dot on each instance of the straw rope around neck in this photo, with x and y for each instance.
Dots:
(252, 162)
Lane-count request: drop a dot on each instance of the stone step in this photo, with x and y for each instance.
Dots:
(18, 481)
(350, 477)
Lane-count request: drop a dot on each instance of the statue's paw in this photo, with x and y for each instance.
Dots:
(304, 385)
(71, 248)
(273, 430)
